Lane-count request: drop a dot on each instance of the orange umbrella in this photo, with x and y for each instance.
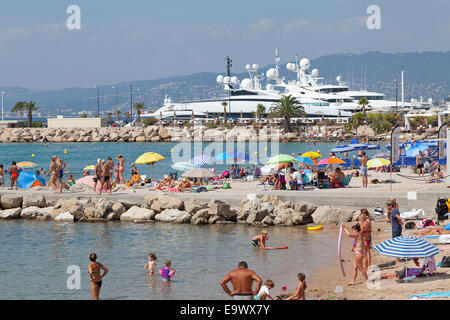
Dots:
(331, 161)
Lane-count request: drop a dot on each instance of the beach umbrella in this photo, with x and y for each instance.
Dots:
(407, 247)
(91, 167)
(235, 155)
(28, 180)
(200, 161)
(307, 161)
(281, 158)
(413, 151)
(26, 165)
(312, 154)
(331, 161)
(377, 162)
(183, 166)
(198, 173)
(149, 157)
(87, 180)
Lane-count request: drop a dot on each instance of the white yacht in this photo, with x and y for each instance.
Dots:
(241, 100)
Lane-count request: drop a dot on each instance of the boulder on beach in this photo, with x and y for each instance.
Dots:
(191, 206)
(9, 201)
(37, 213)
(327, 214)
(65, 217)
(136, 213)
(34, 200)
(173, 215)
(163, 202)
(13, 213)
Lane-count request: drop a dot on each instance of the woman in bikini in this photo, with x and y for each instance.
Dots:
(366, 231)
(121, 160)
(358, 251)
(300, 292)
(55, 175)
(96, 277)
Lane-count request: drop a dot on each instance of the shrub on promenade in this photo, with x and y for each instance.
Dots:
(149, 121)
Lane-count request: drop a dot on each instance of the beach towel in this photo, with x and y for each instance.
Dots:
(430, 295)
(414, 214)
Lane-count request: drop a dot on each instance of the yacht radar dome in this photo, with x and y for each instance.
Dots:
(248, 67)
(315, 73)
(219, 78)
(246, 84)
(255, 66)
(226, 79)
(234, 80)
(305, 64)
(271, 74)
(338, 78)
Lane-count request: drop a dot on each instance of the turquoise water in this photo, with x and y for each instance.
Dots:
(80, 155)
(35, 256)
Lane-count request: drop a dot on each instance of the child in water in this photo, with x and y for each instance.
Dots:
(264, 291)
(259, 241)
(151, 265)
(167, 272)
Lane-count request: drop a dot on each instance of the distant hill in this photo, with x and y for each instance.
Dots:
(426, 74)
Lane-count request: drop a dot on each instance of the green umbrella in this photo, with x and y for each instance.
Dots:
(281, 158)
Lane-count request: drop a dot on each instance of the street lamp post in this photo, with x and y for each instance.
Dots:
(396, 95)
(117, 98)
(3, 97)
(131, 101)
(98, 100)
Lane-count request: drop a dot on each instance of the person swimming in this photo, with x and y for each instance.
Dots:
(259, 241)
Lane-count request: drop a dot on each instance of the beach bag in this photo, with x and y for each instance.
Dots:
(410, 225)
(441, 208)
(225, 185)
(445, 262)
(426, 223)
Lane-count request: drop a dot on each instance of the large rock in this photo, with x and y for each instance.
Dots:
(34, 200)
(163, 133)
(173, 215)
(116, 211)
(11, 201)
(37, 213)
(327, 214)
(288, 217)
(136, 214)
(102, 207)
(65, 217)
(163, 202)
(13, 213)
(151, 198)
(200, 214)
(191, 206)
(257, 216)
(221, 208)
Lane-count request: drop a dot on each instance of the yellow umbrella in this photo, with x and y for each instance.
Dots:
(149, 157)
(377, 162)
(91, 167)
(312, 154)
(26, 164)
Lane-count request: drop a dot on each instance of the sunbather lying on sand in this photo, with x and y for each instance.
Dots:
(434, 231)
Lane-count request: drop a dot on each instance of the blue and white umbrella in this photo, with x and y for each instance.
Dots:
(183, 166)
(201, 160)
(407, 247)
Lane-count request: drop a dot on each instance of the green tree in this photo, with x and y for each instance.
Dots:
(127, 115)
(117, 114)
(29, 107)
(224, 104)
(110, 114)
(288, 107)
(139, 107)
(363, 103)
(260, 109)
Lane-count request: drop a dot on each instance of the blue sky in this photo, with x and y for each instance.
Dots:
(145, 39)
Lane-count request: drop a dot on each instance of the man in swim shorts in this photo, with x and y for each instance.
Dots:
(363, 161)
(242, 280)
(61, 166)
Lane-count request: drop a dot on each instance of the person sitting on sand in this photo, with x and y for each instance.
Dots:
(259, 241)
(185, 183)
(151, 265)
(264, 292)
(358, 252)
(300, 292)
(70, 180)
(337, 179)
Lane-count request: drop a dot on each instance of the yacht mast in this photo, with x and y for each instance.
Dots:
(403, 89)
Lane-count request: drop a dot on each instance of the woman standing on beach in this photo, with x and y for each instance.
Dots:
(14, 170)
(96, 277)
(121, 160)
(366, 232)
(358, 251)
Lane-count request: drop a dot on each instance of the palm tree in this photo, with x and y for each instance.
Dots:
(288, 107)
(260, 109)
(224, 104)
(22, 107)
(139, 107)
(117, 114)
(127, 115)
(110, 114)
(363, 102)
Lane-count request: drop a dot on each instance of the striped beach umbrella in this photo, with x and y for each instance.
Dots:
(183, 166)
(407, 247)
(200, 161)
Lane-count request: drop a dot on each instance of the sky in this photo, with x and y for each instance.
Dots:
(145, 39)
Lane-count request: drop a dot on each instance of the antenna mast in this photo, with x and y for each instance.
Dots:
(229, 65)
